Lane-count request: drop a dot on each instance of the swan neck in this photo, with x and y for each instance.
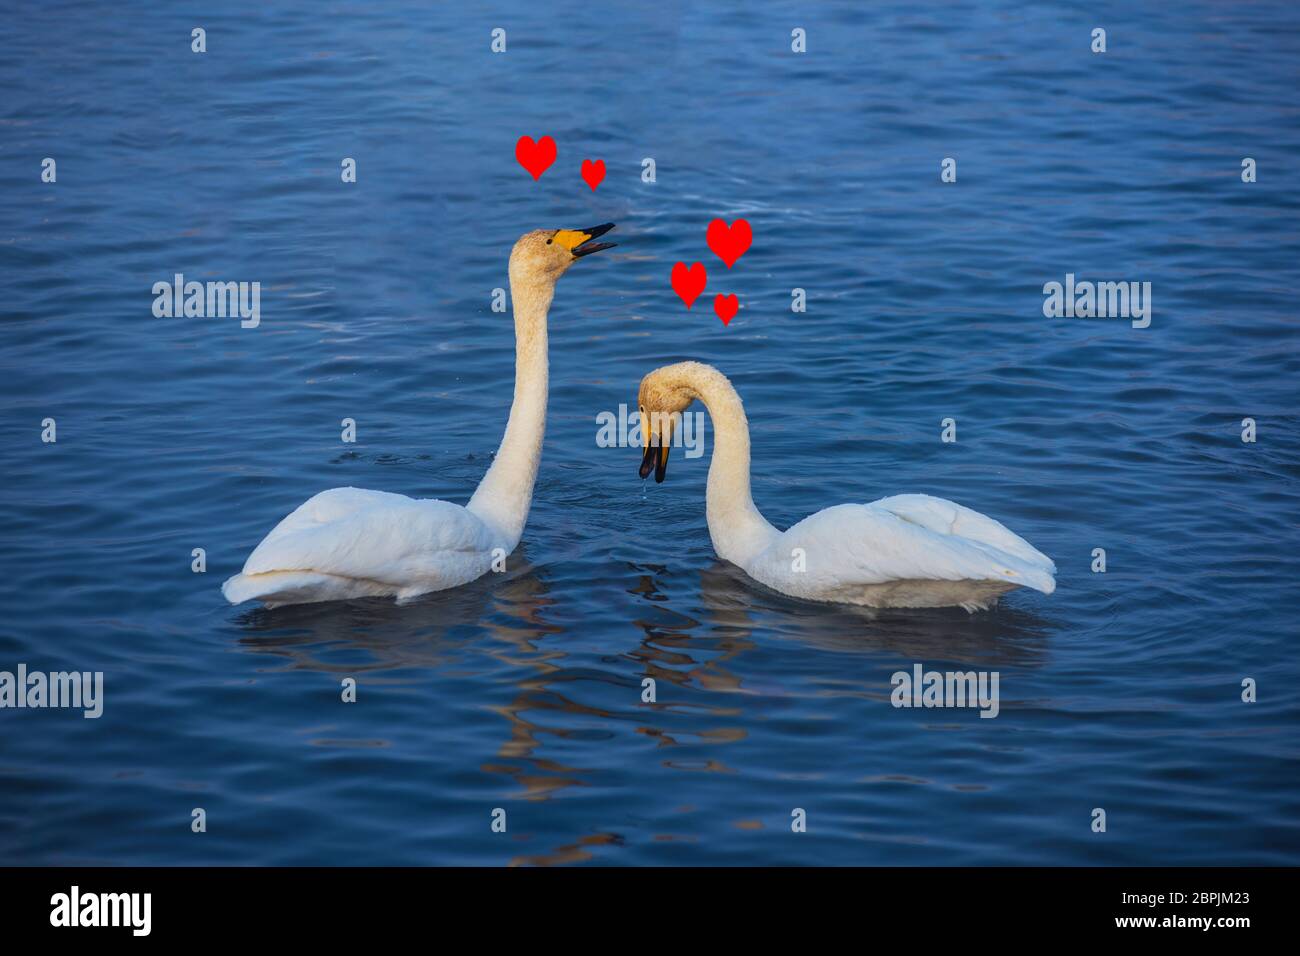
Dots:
(739, 531)
(505, 494)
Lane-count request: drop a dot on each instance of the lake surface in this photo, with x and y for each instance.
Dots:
(1121, 691)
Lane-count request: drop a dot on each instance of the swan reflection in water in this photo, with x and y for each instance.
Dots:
(708, 664)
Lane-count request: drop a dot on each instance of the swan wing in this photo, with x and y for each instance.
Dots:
(372, 535)
(949, 518)
(900, 539)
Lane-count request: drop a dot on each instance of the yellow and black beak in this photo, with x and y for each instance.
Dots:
(578, 241)
(656, 458)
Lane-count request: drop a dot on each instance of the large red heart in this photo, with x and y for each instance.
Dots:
(593, 173)
(726, 306)
(729, 243)
(535, 157)
(689, 283)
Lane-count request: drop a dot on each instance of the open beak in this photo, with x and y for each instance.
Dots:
(579, 241)
(656, 458)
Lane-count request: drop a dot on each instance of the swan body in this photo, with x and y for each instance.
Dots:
(352, 542)
(903, 551)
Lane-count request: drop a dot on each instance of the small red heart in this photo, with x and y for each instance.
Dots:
(726, 306)
(535, 157)
(729, 243)
(689, 283)
(593, 173)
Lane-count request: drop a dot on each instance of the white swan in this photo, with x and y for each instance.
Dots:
(903, 551)
(349, 542)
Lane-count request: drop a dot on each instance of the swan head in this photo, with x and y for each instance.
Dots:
(664, 394)
(546, 254)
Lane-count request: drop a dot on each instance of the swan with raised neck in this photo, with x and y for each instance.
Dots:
(352, 542)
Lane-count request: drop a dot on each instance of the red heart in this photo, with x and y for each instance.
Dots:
(535, 157)
(689, 283)
(593, 173)
(729, 243)
(726, 306)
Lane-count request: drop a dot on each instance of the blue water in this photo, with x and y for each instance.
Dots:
(1121, 691)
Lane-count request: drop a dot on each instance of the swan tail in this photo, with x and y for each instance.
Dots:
(276, 588)
(1034, 577)
(1015, 573)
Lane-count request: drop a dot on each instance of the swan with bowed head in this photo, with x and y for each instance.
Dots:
(901, 551)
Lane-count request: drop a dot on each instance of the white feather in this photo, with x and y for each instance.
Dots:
(863, 554)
